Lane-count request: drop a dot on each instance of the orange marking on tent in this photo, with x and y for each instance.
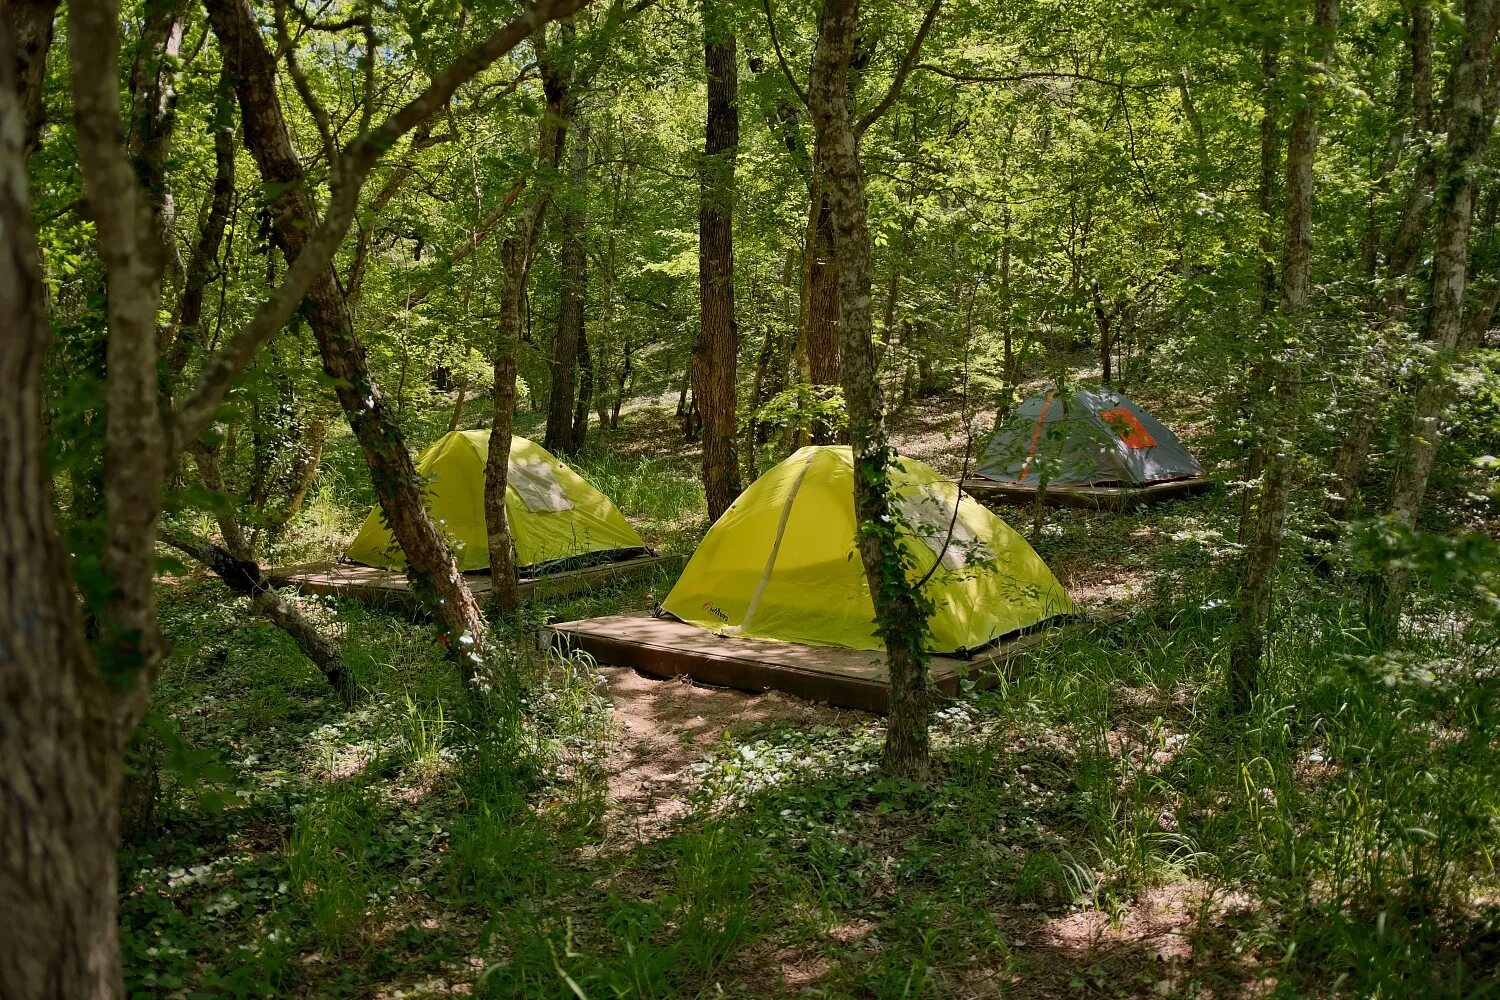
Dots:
(1036, 436)
(1128, 427)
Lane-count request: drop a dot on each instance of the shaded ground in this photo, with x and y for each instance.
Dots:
(1093, 828)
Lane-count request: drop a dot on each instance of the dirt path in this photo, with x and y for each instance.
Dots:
(665, 727)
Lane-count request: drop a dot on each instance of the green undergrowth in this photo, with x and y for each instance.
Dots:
(1096, 826)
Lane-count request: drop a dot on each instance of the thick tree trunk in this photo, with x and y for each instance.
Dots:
(573, 286)
(1469, 129)
(716, 355)
(1258, 572)
(153, 87)
(433, 571)
(30, 24)
(61, 728)
(900, 616)
(819, 333)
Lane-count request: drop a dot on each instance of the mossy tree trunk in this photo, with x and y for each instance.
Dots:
(900, 612)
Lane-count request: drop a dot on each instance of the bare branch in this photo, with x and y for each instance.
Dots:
(1038, 75)
(786, 70)
(902, 72)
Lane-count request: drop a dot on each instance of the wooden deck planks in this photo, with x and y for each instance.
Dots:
(1112, 498)
(848, 678)
(388, 589)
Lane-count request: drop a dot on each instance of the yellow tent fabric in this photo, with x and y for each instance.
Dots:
(554, 513)
(781, 563)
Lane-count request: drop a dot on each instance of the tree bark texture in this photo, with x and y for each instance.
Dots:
(61, 726)
(901, 620)
(572, 290)
(585, 391)
(1459, 159)
(433, 571)
(1258, 571)
(504, 595)
(30, 23)
(819, 340)
(716, 354)
(1267, 196)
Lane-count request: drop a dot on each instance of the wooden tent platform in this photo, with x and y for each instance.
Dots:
(849, 678)
(383, 588)
(1114, 498)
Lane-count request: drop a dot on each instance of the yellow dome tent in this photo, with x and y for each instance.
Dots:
(554, 513)
(781, 562)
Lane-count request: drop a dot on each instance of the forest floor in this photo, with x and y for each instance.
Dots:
(1094, 827)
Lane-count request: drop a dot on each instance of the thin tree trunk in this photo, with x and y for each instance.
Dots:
(716, 355)
(186, 332)
(900, 614)
(432, 569)
(456, 418)
(1469, 129)
(516, 256)
(1401, 261)
(572, 288)
(1258, 571)
(505, 595)
(1268, 194)
(585, 392)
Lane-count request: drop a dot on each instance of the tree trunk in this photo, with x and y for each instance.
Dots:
(1258, 571)
(1469, 129)
(900, 614)
(585, 393)
(504, 595)
(1268, 193)
(716, 355)
(432, 570)
(243, 576)
(819, 333)
(30, 24)
(516, 255)
(61, 740)
(186, 330)
(573, 285)
(1401, 261)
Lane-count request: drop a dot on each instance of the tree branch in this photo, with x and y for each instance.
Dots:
(786, 70)
(1038, 75)
(908, 61)
(359, 157)
(134, 456)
